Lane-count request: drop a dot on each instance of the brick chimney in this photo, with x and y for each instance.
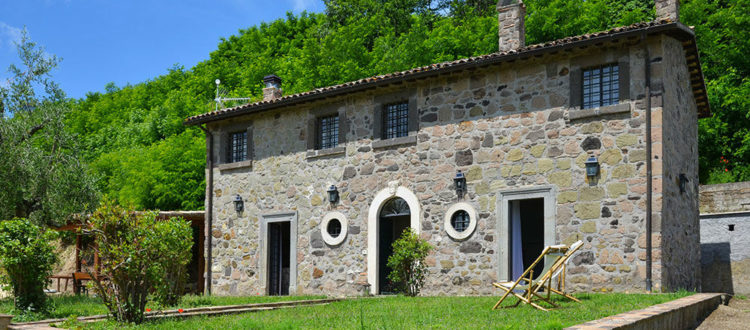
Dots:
(272, 90)
(510, 19)
(667, 9)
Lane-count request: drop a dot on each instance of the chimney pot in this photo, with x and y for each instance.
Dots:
(667, 9)
(511, 30)
(272, 90)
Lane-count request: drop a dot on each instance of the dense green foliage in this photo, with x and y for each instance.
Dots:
(136, 253)
(407, 265)
(26, 258)
(171, 272)
(134, 138)
(42, 178)
(723, 32)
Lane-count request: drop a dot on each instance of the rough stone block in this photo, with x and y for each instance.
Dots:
(567, 197)
(617, 189)
(561, 179)
(587, 210)
(611, 157)
(514, 155)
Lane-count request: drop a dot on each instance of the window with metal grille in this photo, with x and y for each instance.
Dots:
(601, 86)
(334, 228)
(328, 132)
(238, 150)
(396, 120)
(460, 220)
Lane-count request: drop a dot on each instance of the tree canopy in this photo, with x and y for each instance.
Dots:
(133, 138)
(42, 178)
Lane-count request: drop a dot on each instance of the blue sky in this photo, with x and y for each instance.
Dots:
(129, 41)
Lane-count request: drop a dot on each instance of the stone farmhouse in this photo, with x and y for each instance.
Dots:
(590, 138)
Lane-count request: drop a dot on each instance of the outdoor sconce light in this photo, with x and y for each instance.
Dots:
(333, 194)
(592, 167)
(459, 182)
(683, 183)
(238, 204)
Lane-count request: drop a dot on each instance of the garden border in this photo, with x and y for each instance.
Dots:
(684, 313)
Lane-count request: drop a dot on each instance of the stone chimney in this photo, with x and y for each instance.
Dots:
(510, 19)
(272, 90)
(669, 9)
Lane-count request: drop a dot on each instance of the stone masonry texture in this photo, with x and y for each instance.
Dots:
(507, 127)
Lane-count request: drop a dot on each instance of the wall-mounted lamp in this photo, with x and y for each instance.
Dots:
(683, 183)
(333, 194)
(592, 167)
(239, 205)
(459, 182)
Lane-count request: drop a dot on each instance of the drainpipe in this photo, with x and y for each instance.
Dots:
(210, 206)
(649, 173)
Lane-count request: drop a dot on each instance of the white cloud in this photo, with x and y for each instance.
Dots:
(9, 35)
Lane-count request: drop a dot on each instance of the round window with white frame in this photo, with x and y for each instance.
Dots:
(334, 228)
(460, 221)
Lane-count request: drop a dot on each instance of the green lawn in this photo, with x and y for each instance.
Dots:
(421, 312)
(66, 305)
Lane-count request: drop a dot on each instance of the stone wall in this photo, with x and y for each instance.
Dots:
(725, 197)
(507, 127)
(725, 228)
(676, 113)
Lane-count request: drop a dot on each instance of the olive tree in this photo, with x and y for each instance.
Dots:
(43, 179)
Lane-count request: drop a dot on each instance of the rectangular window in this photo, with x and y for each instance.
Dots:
(601, 86)
(238, 147)
(396, 120)
(328, 132)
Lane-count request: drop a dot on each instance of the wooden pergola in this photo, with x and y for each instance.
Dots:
(196, 219)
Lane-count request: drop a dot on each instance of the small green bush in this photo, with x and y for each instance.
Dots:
(136, 252)
(407, 262)
(171, 274)
(26, 257)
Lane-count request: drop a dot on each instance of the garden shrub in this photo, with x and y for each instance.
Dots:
(135, 252)
(172, 272)
(407, 262)
(27, 257)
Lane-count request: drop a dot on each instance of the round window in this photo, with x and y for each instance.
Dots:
(334, 228)
(459, 221)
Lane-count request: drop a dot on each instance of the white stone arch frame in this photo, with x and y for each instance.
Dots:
(330, 240)
(453, 233)
(548, 193)
(373, 225)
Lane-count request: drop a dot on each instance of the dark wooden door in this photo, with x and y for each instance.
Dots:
(278, 258)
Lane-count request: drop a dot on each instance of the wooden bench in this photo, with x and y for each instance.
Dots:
(61, 277)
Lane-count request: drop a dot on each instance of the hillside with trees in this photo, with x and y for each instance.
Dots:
(133, 139)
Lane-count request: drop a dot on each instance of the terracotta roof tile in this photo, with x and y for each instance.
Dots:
(287, 100)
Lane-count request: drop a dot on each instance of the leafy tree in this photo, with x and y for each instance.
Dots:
(723, 36)
(407, 262)
(27, 258)
(43, 178)
(136, 253)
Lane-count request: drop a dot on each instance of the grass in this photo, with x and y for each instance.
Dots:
(66, 305)
(420, 312)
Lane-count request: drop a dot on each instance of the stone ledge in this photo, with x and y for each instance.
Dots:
(683, 313)
(601, 111)
(395, 142)
(312, 154)
(235, 165)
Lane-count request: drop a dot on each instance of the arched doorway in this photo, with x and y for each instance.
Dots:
(392, 210)
(394, 218)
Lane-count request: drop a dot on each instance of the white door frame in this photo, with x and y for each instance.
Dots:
(503, 222)
(373, 225)
(290, 217)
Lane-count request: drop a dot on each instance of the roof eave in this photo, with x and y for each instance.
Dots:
(679, 30)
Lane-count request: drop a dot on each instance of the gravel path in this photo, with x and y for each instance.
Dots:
(734, 316)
